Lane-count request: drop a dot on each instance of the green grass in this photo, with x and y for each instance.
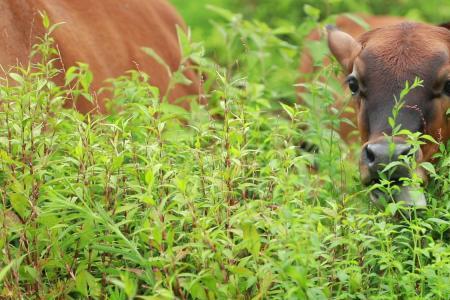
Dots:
(218, 202)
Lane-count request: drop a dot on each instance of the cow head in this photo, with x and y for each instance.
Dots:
(377, 65)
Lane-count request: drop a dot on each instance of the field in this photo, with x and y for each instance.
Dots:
(252, 196)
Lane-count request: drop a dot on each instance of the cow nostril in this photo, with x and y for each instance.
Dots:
(370, 154)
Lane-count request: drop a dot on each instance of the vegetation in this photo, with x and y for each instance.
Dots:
(218, 202)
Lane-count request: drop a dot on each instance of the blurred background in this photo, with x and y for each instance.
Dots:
(266, 37)
(293, 12)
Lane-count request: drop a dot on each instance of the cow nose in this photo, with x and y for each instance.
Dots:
(379, 153)
(376, 156)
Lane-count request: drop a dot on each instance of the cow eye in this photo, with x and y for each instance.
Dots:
(353, 84)
(447, 88)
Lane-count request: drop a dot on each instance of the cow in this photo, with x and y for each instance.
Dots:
(354, 28)
(108, 35)
(377, 64)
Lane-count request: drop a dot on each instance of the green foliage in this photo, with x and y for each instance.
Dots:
(278, 13)
(218, 202)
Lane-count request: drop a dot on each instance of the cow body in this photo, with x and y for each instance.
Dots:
(106, 34)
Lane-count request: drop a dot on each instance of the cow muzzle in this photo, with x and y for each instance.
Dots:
(388, 158)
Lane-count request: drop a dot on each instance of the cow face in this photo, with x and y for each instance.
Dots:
(377, 65)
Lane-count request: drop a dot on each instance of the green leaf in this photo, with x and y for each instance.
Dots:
(13, 263)
(289, 110)
(149, 178)
(71, 74)
(81, 282)
(391, 122)
(428, 138)
(20, 204)
(358, 20)
(45, 19)
(311, 11)
(241, 271)
(129, 285)
(148, 199)
(251, 238)
(17, 77)
(438, 221)
(31, 272)
(226, 14)
(88, 233)
(86, 76)
(184, 41)
(157, 235)
(152, 53)
(197, 291)
(86, 283)
(180, 78)
(117, 163)
(429, 167)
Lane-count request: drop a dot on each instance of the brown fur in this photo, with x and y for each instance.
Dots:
(349, 26)
(106, 34)
(402, 46)
(382, 60)
(354, 29)
(401, 52)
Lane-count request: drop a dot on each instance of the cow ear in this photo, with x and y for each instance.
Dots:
(445, 25)
(343, 46)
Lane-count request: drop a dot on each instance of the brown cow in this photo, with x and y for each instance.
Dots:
(377, 64)
(355, 29)
(106, 34)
